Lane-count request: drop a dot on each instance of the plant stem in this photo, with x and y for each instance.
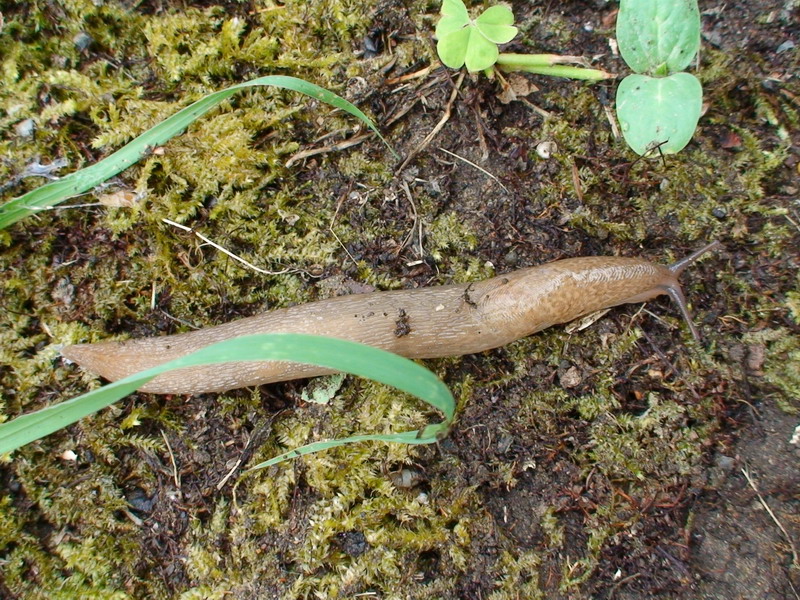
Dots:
(548, 64)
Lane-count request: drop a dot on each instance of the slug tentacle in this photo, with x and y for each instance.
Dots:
(679, 266)
(429, 322)
(675, 291)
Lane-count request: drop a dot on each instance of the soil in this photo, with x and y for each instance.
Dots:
(725, 527)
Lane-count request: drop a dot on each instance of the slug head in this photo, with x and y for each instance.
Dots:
(674, 289)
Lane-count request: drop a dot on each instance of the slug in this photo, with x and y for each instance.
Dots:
(432, 322)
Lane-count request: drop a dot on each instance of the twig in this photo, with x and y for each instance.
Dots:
(479, 127)
(621, 582)
(416, 74)
(229, 474)
(576, 181)
(416, 222)
(612, 120)
(792, 221)
(545, 114)
(226, 252)
(177, 320)
(445, 117)
(303, 154)
(330, 228)
(795, 560)
(175, 476)
(481, 169)
(261, 430)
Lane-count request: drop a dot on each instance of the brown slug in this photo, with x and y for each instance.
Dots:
(432, 322)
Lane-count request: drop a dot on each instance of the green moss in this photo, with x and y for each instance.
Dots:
(781, 351)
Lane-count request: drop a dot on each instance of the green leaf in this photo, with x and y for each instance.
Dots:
(83, 180)
(495, 23)
(481, 53)
(454, 17)
(452, 47)
(655, 32)
(467, 46)
(474, 43)
(659, 111)
(340, 355)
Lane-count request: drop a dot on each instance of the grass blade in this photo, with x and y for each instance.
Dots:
(83, 180)
(340, 355)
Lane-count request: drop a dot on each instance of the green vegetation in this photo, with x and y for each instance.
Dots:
(335, 354)
(87, 179)
(658, 110)
(464, 41)
(337, 524)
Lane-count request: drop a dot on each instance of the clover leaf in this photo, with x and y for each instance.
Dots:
(462, 40)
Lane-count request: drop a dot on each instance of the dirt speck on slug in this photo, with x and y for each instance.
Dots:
(401, 325)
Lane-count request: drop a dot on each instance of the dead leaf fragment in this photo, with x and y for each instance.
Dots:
(516, 86)
(122, 199)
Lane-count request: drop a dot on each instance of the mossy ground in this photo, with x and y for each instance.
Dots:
(577, 461)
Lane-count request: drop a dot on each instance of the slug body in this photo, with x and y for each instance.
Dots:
(429, 322)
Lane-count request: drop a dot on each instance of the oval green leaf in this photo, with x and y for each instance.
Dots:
(652, 33)
(659, 112)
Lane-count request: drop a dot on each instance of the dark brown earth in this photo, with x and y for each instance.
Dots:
(702, 533)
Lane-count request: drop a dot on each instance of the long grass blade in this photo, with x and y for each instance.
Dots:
(340, 355)
(85, 179)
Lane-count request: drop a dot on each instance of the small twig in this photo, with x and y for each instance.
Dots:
(791, 585)
(417, 221)
(177, 320)
(545, 114)
(795, 559)
(622, 581)
(792, 221)
(576, 181)
(134, 519)
(303, 154)
(175, 476)
(416, 74)
(226, 252)
(85, 205)
(259, 434)
(481, 136)
(229, 474)
(481, 169)
(333, 233)
(612, 120)
(445, 117)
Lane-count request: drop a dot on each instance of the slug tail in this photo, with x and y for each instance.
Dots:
(680, 266)
(111, 360)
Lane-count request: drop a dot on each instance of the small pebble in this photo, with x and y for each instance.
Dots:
(25, 129)
(546, 149)
(719, 212)
(82, 41)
